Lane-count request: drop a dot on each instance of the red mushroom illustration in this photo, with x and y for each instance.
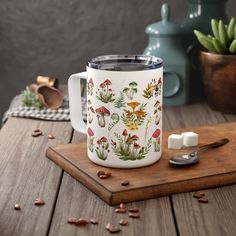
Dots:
(124, 133)
(107, 82)
(90, 87)
(127, 148)
(90, 139)
(156, 142)
(102, 85)
(102, 149)
(105, 93)
(101, 113)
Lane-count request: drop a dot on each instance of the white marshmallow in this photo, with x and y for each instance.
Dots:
(175, 141)
(190, 139)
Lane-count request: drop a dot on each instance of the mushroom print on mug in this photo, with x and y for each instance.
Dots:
(124, 115)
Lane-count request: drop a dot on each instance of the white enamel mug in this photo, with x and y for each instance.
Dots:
(124, 109)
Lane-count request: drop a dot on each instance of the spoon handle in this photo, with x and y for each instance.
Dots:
(212, 145)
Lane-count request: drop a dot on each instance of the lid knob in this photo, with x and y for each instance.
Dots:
(165, 12)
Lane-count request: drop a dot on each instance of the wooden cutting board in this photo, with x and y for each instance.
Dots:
(217, 167)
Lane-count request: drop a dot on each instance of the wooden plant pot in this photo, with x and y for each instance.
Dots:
(219, 79)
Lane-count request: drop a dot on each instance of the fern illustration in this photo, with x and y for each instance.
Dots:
(120, 101)
(115, 119)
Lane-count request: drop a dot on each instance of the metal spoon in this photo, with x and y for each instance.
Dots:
(192, 158)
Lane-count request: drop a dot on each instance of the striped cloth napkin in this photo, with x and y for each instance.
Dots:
(17, 109)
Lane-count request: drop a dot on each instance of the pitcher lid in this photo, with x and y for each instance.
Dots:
(165, 26)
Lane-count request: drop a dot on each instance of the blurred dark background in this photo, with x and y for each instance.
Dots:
(57, 37)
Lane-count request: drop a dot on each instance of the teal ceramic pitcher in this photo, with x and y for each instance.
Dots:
(165, 41)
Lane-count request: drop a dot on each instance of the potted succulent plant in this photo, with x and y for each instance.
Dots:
(218, 65)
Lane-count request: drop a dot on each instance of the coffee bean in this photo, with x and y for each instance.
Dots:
(103, 176)
(123, 222)
(50, 136)
(120, 210)
(81, 221)
(72, 220)
(37, 130)
(108, 174)
(100, 172)
(134, 215)
(17, 207)
(122, 205)
(199, 194)
(112, 228)
(203, 200)
(39, 202)
(108, 226)
(93, 221)
(125, 183)
(134, 210)
(37, 133)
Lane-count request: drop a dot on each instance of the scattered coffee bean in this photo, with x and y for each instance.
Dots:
(108, 226)
(93, 221)
(108, 174)
(17, 207)
(50, 136)
(199, 194)
(39, 202)
(122, 205)
(120, 210)
(134, 210)
(37, 133)
(103, 176)
(72, 220)
(81, 221)
(125, 183)
(134, 215)
(123, 222)
(203, 200)
(100, 172)
(114, 229)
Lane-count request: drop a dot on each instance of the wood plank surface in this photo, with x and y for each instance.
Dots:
(25, 174)
(76, 200)
(218, 217)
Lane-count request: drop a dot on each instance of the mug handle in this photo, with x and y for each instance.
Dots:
(74, 90)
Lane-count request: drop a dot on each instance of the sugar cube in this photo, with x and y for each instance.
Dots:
(190, 139)
(175, 141)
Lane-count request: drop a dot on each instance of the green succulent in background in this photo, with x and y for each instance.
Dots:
(223, 40)
(30, 99)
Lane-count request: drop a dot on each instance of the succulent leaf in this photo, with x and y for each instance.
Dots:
(214, 26)
(232, 47)
(218, 46)
(205, 41)
(224, 39)
(235, 32)
(230, 30)
(199, 34)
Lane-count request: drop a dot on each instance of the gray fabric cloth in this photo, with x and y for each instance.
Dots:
(17, 109)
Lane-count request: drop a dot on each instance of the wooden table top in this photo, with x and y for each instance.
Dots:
(25, 174)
